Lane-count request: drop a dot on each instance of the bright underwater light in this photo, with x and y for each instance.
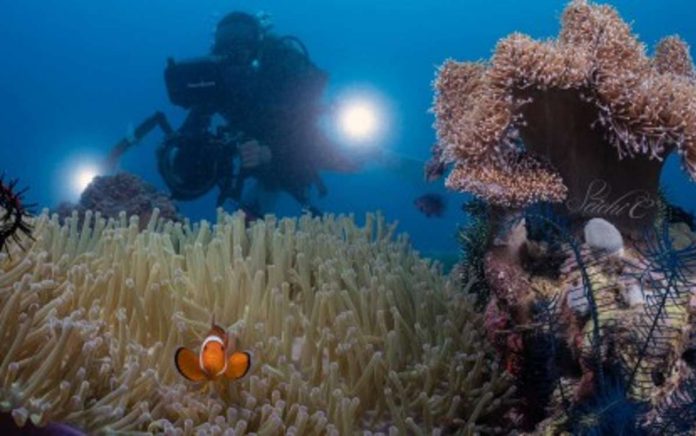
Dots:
(359, 120)
(82, 176)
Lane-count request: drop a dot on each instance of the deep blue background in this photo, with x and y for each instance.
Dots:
(76, 73)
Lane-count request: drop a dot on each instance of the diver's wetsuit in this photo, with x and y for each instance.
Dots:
(275, 101)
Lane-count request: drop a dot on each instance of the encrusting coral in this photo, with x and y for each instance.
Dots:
(349, 328)
(548, 121)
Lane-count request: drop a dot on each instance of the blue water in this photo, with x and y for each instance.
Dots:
(75, 74)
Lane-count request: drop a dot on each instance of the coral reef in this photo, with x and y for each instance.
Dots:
(602, 340)
(349, 328)
(110, 195)
(587, 118)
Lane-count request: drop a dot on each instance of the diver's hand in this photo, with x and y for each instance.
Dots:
(254, 154)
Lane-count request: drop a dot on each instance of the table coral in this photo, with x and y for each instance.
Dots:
(555, 120)
(349, 328)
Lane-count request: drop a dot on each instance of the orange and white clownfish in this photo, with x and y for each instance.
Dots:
(213, 361)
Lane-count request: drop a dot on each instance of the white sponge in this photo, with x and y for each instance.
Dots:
(602, 235)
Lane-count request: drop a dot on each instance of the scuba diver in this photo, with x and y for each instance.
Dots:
(267, 92)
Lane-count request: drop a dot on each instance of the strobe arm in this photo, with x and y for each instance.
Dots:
(155, 120)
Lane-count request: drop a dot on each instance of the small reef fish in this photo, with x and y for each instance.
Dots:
(213, 360)
(430, 204)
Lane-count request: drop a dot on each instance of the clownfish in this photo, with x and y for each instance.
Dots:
(213, 361)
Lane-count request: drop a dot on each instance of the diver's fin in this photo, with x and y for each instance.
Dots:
(188, 365)
(238, 365)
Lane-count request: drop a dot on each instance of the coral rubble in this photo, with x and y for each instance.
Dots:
(350, 329)
(587, 117)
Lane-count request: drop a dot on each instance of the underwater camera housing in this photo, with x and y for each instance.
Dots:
(192, 165)
(195, 81)
(189, 166)
(208, 80)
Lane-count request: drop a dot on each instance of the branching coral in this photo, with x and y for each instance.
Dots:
(350, 330)
(543, 120)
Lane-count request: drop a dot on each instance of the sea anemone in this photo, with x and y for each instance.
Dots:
(349, 328)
